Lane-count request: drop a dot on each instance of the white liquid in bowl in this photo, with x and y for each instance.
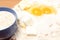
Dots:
(6, 19)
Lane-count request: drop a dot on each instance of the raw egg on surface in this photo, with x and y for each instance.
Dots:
(42, 9)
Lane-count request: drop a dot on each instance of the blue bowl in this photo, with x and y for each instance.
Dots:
(8, 32)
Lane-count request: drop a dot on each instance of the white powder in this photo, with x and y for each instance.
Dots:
(46, 27)
(6, 19)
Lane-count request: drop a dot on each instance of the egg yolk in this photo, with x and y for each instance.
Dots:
(36, 11)
(48, 10)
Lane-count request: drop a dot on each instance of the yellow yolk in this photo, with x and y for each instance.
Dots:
(48, 10)
(36, 11)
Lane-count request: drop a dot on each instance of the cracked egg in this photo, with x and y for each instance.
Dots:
(40, 10)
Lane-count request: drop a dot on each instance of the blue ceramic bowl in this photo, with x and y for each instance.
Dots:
(8, 32)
